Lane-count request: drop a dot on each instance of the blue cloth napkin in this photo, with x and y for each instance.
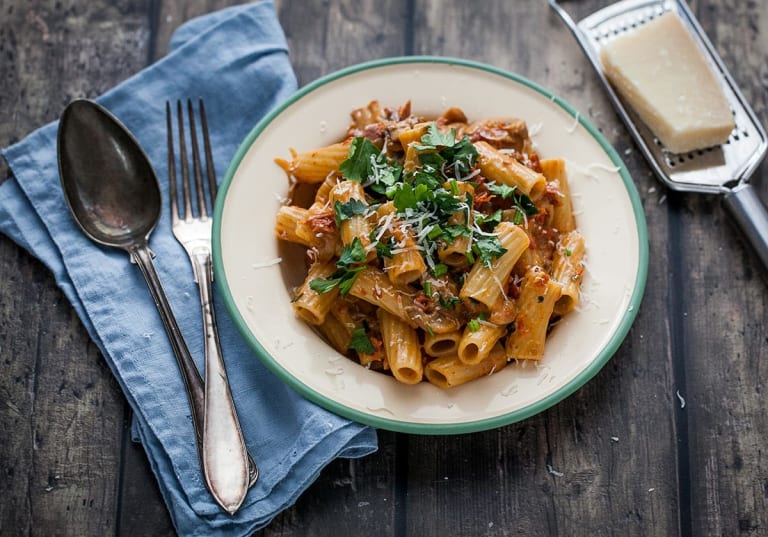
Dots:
(237, 60)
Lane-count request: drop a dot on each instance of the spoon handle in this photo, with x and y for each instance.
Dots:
(141, 256)
(225, 455)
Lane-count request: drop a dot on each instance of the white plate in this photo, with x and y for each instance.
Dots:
(258, 292)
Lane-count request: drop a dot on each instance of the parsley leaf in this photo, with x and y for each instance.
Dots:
(520, 200)
(453, 232)
(440, 270)
(439, 150)
(322, 286)
(407, 196)
(501, 190)
(383, 249)
(448, 303)
(357, 166)
(345, 274)
(344, 278)
(348, 279)
(488, 249)
(493, 218)
(435, 138)
(349, 209)
(351, 254)
(360, 342)
(366, 164)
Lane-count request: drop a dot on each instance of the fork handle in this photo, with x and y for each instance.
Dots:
(225, 457)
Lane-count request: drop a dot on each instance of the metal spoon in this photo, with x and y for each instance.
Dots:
(112, 191)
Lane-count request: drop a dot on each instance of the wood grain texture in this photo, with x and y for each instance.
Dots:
(325, 36)
(665, 440)
(62, 413)
(723, 340)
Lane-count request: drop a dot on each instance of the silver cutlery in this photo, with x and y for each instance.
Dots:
(227, 467)
(113, 194)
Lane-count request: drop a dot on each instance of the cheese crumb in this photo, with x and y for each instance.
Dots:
(663, 75)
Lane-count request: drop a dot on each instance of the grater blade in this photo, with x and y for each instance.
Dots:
(720, 169)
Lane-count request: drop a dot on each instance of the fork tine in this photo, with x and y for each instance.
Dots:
(171, 166)
(209, 168)
(185, 187)
(196, 166)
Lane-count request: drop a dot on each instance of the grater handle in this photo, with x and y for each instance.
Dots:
(751, 215)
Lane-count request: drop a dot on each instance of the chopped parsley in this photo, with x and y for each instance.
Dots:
(488, 248)
(357, 166)
(353, 207)
(519, 200)
(448, 303)
(474, 324)
(360, 342)
(440, 270)
(428, 288)
(347, 268)
(425, 200)
(367, 164)
(441, 151)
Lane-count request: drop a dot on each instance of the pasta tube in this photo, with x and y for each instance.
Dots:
(407, 136)
(449, 371)
(311, 305)
(554, 171)
(535, 305)
(401, 346)
(373, 286)
(476, 345)
(356, 226)
(507, 170)
(406, 264)
(337, 334)
(289, 217)
(567, 270)
(441, 344)
(486, 283)
(315, 166)
(454, 254)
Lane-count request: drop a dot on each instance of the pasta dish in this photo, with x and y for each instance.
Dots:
(438, 249)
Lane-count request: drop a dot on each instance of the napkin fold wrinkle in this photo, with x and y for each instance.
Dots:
(237, 60)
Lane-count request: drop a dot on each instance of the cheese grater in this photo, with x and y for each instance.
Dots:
(724, 169)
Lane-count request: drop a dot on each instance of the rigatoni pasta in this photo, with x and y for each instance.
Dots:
(438, 250)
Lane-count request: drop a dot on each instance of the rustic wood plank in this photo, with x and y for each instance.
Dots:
(722, 323)
(142, 511)
(326, 36)
(62, 410)
(170, 15)
(600, 461)
(351, 497)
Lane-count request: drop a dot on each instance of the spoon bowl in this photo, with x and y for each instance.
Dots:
(107, 178)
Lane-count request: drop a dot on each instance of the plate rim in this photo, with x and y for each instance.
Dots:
(603, 355)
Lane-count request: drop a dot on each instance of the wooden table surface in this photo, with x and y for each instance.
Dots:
(668, 439)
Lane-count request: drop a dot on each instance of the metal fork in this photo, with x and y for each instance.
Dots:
(227, 467)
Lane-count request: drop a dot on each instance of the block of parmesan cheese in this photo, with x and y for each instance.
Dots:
(663, 75)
